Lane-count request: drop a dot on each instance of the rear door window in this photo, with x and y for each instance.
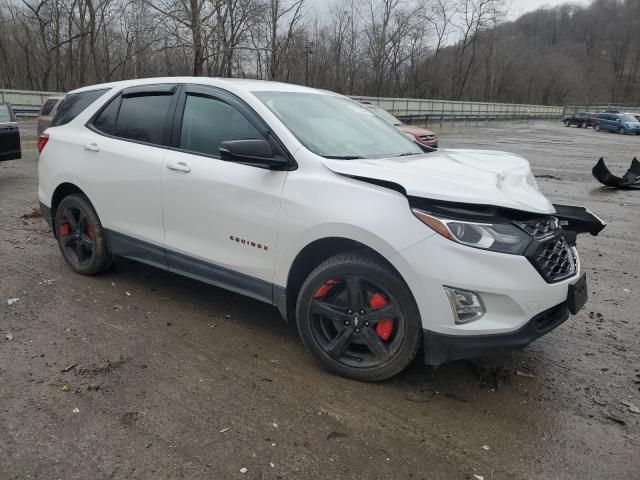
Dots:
(142, 118)
(74, 104)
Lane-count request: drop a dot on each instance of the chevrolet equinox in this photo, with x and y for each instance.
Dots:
(377, 247)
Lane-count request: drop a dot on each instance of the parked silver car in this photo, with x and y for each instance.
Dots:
(47, 112)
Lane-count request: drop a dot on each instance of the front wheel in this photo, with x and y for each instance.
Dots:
(622, 131)
(597, 128)
(567, 123)
(80, 236)
(583, 125)
(358, 318)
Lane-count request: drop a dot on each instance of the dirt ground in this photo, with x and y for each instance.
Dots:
(141, 374)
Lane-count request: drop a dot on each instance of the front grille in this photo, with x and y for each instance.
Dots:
(541, 227)
(554, 259)
(427, 138)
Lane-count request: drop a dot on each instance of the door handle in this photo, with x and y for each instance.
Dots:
(92, 147)
(179, 167)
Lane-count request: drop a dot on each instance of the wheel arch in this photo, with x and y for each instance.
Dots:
(308, 258)
(61, 191)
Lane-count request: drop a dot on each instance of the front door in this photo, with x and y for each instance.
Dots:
(220, 218)
(9, 134)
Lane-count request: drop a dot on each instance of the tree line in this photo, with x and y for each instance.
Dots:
(442, 49)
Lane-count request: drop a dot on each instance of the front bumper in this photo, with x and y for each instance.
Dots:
(441, 348)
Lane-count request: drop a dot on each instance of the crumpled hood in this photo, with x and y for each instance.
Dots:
(483, 177)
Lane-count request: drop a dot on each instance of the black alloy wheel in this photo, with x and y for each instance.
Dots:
(358, 318)
(80, 236)
(76, 236)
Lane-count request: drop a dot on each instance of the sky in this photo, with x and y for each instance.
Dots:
(518, 7)
(515, 7)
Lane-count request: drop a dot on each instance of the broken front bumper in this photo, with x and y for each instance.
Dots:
(441, 348)
(631, 179)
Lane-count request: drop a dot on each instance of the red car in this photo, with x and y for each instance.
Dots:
(421, 135)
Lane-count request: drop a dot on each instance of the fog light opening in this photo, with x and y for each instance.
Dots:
(465, 305)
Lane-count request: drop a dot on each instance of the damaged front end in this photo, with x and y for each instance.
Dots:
(630, 180)
(546, 241)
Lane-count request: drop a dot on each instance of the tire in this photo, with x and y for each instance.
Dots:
(597, 128)
(344, 340)
(622, 131)
(80, 236)
(567, 123)
(583, 125)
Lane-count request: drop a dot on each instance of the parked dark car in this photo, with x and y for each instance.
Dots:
(419, 134)
(9, 134)
(621, 123)
(580, 119)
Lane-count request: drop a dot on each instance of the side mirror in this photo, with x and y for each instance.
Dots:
(254, 152)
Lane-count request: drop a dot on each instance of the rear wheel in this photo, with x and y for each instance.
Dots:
(622, 131)
(583, 125)
(358, 318)
(567, 123)
(80, 236)
(597, 128)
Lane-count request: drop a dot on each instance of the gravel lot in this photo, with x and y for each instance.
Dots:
(139, 373)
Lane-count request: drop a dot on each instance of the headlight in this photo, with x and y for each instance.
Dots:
(497, 237)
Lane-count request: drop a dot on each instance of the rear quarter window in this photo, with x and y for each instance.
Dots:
(74, 104)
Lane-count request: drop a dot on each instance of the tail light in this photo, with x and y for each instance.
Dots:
(42, 141)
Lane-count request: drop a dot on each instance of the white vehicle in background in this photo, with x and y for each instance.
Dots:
(306, 200)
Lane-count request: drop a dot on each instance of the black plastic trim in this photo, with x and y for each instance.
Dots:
(135, 249)
(441, 348)
(145, 252)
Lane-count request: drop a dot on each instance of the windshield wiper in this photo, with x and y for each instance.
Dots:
(343, 157)
(408, 153)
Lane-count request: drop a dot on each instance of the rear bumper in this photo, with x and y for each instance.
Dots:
(441, 348)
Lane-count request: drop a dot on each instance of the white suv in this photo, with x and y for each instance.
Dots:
(306, 200)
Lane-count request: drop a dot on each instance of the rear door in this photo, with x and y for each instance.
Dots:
(123, 150)
(9, 134)
(220, 217)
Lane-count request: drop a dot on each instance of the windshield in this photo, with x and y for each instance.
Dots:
(335, 127)
(628, 118)
(4, 114)
(386, 116)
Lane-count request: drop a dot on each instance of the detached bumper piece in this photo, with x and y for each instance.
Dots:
(630, 180)
(440, 348)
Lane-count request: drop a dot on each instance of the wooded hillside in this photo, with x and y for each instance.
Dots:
(451, 49)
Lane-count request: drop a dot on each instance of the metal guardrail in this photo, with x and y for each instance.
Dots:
(27, 103)
(585, 107)
(426, 111)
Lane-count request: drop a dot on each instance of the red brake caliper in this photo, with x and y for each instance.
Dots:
(89, 232)
(384, 328)
(324, 288)
(64, 228)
